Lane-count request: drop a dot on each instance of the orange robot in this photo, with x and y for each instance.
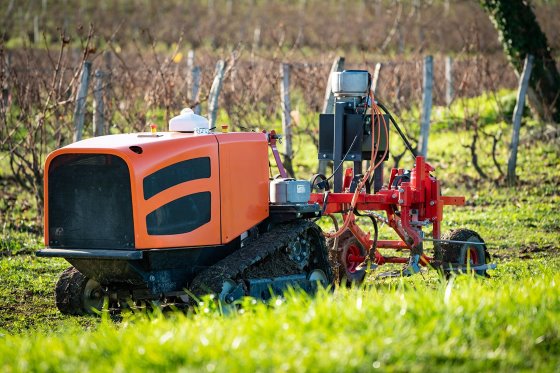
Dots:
(170, 216)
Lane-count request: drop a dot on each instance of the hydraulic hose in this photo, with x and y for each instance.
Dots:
(369, 172)
(401, 133)
(371, 253)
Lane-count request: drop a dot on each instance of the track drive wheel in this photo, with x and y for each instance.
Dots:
(319, 268)
(346, 269)
(77, 294)
(449, 256)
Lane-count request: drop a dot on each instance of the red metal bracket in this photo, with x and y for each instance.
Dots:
(272, 138)
(453, 201)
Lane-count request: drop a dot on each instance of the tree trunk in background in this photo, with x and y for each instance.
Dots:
(520, 35)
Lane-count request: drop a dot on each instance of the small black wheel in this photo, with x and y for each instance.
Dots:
(458, 257)
(319, 268)
(77, 294)
(344, 259)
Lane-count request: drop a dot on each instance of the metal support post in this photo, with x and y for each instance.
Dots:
(338, 144)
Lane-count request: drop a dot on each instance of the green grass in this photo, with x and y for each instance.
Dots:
(20, 232)
(509, 322)
(27, 295)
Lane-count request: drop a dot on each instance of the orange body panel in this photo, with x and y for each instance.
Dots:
(168, 154)
(238, 181)
(157, 153)
(244, 181)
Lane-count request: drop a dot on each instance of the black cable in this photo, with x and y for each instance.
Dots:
(324, 208)
(324, 184)
(375, 235)
(401, 134)
(325, 202)
(343, 158)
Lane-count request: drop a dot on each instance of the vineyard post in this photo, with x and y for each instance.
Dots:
(517, 114)
(215, 92)
(256, 38)
(328, 104)
(36, 35)
(65, 15)
(5, 85)
(428, 83)
(196, 74)
(286, 118)
(190, 66)
(229, 7)
(448, 80)
(108, 59)
(378, 8)
(193, 81)
(400, 38)
(98, 104)
(107, 88)
(80, 109)
(375, 81)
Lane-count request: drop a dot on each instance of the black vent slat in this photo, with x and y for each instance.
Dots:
(180, 172)
(90, 203)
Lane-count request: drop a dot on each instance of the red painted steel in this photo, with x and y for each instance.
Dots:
(411, 204)
(353, 258)
(272, 139)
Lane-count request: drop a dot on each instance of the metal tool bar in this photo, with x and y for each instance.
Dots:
(483, 267)
(454, 241)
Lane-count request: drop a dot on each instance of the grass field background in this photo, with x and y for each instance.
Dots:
(510, 321)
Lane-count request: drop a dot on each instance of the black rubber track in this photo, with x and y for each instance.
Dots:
(263, 256)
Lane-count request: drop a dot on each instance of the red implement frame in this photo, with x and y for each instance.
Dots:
(409, 206)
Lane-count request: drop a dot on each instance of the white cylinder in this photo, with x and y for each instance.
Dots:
(188, 121)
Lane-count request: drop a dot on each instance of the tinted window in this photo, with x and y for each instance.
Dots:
(182, 215)
(192, 169)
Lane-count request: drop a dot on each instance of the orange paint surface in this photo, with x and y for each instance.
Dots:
(244, 181)
(238, 181)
